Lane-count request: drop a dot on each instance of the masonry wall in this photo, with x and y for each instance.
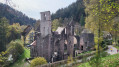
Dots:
(70, 38)
(43, 39)
(87, 41)
(77, 46)
(45, 24)
(33, 51)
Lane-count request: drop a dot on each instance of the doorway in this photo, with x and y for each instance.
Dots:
(81, 47)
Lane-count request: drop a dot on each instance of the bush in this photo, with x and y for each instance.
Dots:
(38, 61)
(15, 48)
(107, 42)
(70, 60)
(104, 54)
(3, 60)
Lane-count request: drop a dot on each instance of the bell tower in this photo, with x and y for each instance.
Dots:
(45, 25)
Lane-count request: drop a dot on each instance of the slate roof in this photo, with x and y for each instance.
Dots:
(27, 30)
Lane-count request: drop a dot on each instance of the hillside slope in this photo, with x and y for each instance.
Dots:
(75, 10)
(15, 16)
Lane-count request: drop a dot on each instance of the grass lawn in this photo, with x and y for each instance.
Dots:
(109, 61)
(20, 62)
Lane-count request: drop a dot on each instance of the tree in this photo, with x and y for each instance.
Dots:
(14, 16)
(3, 59)
(36, 25)
(15, 32)
(55, 24)
(4, 31)
(15, 48)
(75, 10)
(100, 14)
(82, 20)
(115, 28)
(38, 61)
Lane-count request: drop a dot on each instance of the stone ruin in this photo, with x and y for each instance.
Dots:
(58, 45)
(86, 40)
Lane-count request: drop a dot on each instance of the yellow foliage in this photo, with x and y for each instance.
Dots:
(96, 47)
(38, 61)
(55, 24)
(100, 13)
(70, 59)
(28, 36)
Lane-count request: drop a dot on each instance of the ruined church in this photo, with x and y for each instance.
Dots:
(60, 44)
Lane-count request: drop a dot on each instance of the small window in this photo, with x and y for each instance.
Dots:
(44, 16)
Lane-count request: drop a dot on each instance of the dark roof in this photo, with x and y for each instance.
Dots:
(26, 30)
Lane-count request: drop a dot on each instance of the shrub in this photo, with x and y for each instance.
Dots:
(38, 61)
(15, 48)
(107, 42)
(3, 60)
(104, 54)
(70, 60)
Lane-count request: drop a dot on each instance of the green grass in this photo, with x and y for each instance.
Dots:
(20, 62)
(116, 47)
(84, 53)
(109, 61)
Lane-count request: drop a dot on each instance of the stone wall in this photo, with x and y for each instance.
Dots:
(43, 37)
(70, 38)
(77, 46)
(45, 24)
(86, 41)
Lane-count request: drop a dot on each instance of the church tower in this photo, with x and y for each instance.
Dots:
(45, 24)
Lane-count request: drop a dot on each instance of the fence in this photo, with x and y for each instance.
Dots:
(64, 62)
(76, 60)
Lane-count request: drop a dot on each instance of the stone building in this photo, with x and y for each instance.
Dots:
(86, 40)
(70, 38)
(33, 50)
(58, 39)
(57, 45)
(43, 38)
(28, 34)
(63, 42)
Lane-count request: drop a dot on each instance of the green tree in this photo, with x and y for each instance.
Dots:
(14, 32)
(4, 31)
(82, 20)
(3, 59)
(55, 24)
(36, 25)
(15, 48)
(75, 10)
(115, 29)
(100, 14)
